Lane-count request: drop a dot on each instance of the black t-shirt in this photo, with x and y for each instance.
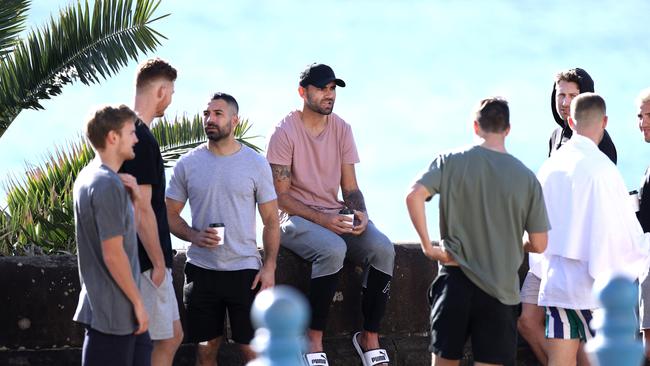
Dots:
(148, 168)
(644, 205)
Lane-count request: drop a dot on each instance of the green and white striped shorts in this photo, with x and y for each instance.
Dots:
(568, 324)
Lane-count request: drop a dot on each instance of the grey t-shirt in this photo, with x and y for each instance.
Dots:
(103, 210)
(487, 200)
(224, 189)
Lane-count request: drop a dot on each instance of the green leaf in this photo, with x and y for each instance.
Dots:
(13, 14)
(80, 44)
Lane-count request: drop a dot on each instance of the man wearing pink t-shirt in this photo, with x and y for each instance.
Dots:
(312, 154)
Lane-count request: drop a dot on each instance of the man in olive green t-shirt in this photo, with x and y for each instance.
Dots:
(488, 199)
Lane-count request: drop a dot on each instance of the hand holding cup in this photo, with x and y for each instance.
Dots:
(220, 230)
(349, 214)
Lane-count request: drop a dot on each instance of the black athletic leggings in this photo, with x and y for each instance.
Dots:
(373, 304)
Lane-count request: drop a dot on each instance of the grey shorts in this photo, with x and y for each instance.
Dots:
(530, 289)
(327, 250)
(160, 303)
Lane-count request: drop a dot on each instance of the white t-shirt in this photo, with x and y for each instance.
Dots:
(594, 232)
(566, 283)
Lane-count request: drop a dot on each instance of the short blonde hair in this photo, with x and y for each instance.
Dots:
(643, 97)
(105, 120)
(587, 108)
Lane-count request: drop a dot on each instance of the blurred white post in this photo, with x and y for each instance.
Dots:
(616, 343)
(280, 315)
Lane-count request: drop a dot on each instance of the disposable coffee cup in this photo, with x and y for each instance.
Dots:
(349, 213)
(634, 200)
(221, 230)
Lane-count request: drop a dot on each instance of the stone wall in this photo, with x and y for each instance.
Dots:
(38, 296)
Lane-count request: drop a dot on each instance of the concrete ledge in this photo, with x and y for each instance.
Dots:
(39, 296)
(406, 324)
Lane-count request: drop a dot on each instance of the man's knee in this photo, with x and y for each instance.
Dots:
(171, 344)
(178, 332)
(332, 256)
(386, 249)
(531, 319)
(562, 351)
(524, 325)
(383, 256)
(206, 352)
(527, 325)
(247, 352)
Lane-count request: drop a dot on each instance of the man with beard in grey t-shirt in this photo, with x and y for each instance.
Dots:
(223, 180)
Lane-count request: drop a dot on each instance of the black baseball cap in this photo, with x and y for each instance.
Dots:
(319, 75)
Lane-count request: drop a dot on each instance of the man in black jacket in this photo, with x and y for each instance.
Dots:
(568, 84)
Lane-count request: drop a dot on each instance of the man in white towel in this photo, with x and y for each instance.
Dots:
(594, 230)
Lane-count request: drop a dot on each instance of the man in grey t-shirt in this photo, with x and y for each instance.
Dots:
(223, 180)
(488, 199)
(110, 305)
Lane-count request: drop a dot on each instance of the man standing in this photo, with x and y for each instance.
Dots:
(595, 231)
(643, 104)
(312, 153)
(223, 181)
(488, 199)
(567, 85)
(110, 305)
(154, 88)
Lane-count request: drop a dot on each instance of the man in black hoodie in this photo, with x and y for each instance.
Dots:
(568, 85)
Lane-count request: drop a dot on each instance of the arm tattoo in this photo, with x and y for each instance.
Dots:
(281, 172)
(354, 200)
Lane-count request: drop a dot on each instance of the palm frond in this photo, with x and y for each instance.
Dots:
(241, 134)
(183, 134)
(13, 14)
(6, 235)
(79, 45)
(181, 131)
(39, 205)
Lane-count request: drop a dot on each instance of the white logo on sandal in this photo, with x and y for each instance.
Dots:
(321, 361)
(381, 357)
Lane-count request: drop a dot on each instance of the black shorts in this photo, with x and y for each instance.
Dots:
(207, 295)
(460, 310)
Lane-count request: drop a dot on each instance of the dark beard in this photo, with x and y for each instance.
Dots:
(318, 109)
(217, 136)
